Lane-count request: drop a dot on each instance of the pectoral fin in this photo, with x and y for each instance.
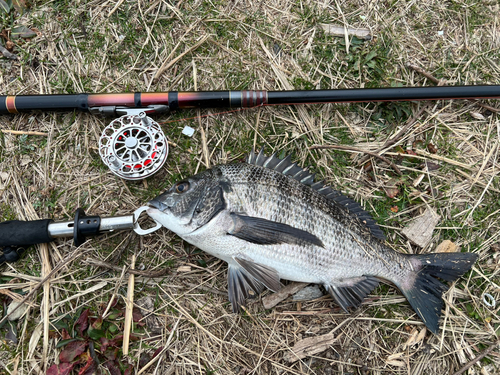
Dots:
(266, 232)
(263, 274)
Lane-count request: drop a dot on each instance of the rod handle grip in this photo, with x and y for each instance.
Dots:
(24, 233)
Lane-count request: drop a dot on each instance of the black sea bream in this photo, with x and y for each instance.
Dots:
(269, 220)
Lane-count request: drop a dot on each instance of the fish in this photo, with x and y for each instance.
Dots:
(270, 221)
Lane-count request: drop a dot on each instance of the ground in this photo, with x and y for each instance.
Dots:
(447, 153)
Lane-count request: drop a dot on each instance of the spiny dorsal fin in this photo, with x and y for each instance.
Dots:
(288, 168)
(284, 166)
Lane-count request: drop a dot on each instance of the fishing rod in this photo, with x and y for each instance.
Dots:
(134, 146)
(157, 102)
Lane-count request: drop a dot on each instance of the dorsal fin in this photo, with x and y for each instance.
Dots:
(288, 168)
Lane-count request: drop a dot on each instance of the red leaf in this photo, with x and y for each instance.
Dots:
(112, 302)
(136, 314)
(83, 322)
(104, 343)
(60, 369)
(111, 353)
(113, 368)
(129, 370)
(89, 367)
(117, 340)
(65, 335)
(97, 323)
(157, 351)
(144, 359)
(72, 350)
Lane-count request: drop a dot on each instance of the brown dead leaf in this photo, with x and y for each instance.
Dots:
(391, 192)
(9, 45)
(419, 231)
(430, 166)
(273, 299)
(4, 34)
(477, 116)
(446, 247)
(37, 31)
(411, 339)
(421, 336)
(396, 363)
(432, 149)
(391, 188)
(310, 346)
(393, 360)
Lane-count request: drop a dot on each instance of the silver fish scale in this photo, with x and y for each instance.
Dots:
(349, 250)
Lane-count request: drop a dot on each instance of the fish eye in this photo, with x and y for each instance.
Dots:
(182, 187)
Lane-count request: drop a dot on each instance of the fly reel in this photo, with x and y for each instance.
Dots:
(133, 146)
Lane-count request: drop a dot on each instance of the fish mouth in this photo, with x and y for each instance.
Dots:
(152, 209)
(157, 204)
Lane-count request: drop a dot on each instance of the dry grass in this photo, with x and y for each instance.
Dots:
(96, 47)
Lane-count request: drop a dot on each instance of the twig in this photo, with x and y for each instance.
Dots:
(19, 132)
(477, 359)
(486, 106)
(100, 263)
(46, 267)
(427, 75)
(129, 307)
(354, 149)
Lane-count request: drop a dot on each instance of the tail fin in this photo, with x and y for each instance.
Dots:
(425, 293)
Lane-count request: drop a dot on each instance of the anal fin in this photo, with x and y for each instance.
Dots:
(351, 292)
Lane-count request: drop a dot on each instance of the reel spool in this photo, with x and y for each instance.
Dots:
(133, 146)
